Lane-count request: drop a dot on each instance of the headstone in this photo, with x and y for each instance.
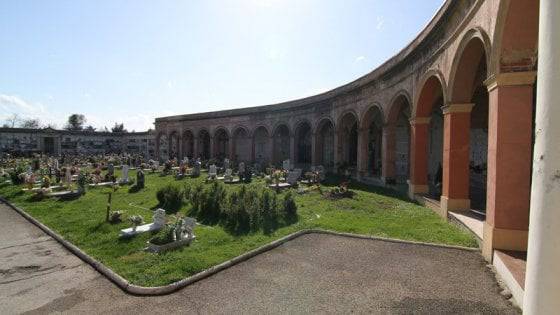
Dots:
(196, 169)
(140, 179)
(188, 226)
(111, 169)
(212, 171)
(286, 165)
(226, 163)
(159, 218)
(293, 176)
(68, 176)
(241, 168)
(125, 173)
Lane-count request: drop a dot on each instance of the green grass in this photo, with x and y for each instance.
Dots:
(371, 211)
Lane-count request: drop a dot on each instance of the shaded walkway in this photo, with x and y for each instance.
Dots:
(313, 273)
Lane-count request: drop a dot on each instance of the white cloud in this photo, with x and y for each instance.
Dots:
(13, 104)
(360, 58)
(380, 22)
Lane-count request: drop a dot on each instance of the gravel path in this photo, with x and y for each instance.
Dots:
(314, 273)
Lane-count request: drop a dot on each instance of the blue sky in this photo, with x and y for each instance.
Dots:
(131, 61)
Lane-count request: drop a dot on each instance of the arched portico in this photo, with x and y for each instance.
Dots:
(303, 144)
(188, 144)
(203, 144)
(396, 144)
(347, 134)
(282, 143)
(324, 147)
(371, 147)
(262, 145)
(242, 149)
(221, 147)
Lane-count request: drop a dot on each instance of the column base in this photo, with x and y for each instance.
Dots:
(458, 205)
(496, 238)
(416, 189)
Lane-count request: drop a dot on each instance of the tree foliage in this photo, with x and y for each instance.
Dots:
(76, 122)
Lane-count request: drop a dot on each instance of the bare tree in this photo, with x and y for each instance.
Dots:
(12, 121)
(31, 123)
(76, 122)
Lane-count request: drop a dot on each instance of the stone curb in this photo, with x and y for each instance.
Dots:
(162, 290)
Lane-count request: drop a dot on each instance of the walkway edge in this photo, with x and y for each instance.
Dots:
(126, 286)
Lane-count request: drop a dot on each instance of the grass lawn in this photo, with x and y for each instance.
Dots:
(371, 211)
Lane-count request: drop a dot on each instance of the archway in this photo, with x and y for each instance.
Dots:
(242, 145)
(204, 144)
(467, 121)
(372, 144)
(397, 146)
(262, 145)
(325, 144)
(303, 144)
(163, 153)
(281, 143)
(173, 144)
(221, 144)
(348, 139)
(426, 165)
(188, 144)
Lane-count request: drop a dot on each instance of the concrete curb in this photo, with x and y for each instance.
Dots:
(128, 287)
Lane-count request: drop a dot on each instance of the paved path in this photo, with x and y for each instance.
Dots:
(313, 273)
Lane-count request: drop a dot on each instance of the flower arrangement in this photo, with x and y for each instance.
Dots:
(136, 220)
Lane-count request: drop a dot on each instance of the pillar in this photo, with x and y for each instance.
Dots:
(388, 152)
(337, 150)
(212, 149)
(292, 150)
(314, 153)
(180, 146)
(362, 157)
(542, 282)
(418, 156)
(510, 125)
(456, 158)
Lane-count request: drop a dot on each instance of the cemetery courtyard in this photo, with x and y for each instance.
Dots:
(371, 211)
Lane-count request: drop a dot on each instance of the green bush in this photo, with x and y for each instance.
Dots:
(14, 174)
(164, 236)
(170, 198)
(290, 208)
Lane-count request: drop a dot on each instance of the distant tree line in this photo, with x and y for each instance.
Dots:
(75, 122)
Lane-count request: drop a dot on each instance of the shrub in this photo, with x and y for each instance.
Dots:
(170, 198)
(15, 174)
(290, 207)
(164, 236)
(269, 211)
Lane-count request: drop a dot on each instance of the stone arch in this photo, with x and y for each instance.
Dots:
(162, 146)
(221, 143)
(262, 146)
(174, 139)
(281, 143)
(372, 147)
(474, 45)
(426, 167)
(466, 146)
(203, 144)
(347, 133)
(324, 142)
(303, 142)
(515, 39)
(242, 144)
(396, 152)
(188, 144)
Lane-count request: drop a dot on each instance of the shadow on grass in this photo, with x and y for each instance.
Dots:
(134, 189)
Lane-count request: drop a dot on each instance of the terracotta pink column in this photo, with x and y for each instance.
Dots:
(456, 138)
(362, 152)
(510, 123)
(418, 156)
(337, 149)
(314, 155)
(389, 143)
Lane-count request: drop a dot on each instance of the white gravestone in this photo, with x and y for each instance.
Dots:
(286, 165)
(212, 172)
(241, 168)
(125, 174)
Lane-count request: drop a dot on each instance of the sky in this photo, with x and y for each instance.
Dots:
(130, 61)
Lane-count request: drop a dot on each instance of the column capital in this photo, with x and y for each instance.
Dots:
(510, 79)
(419, 121)
(457, 108)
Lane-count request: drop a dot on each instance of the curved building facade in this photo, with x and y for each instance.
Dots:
(451, 115)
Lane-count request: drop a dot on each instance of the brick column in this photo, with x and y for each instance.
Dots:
(292, 150)
(337, 150)
(510, 123)
(388, 144)
(456, 138)
(362, 158)
(212, 149)
(195, 154)
(418, 156)
(314, 155)
(231, 149)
